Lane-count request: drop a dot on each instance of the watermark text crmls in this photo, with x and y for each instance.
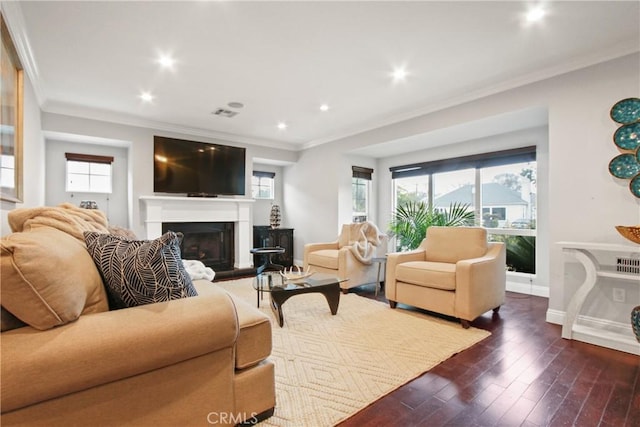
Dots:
(232, 418)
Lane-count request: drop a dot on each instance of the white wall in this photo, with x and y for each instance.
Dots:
(33, 158)
(311, 189)
(114, 205)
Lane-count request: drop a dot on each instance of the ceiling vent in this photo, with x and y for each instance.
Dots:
(225, 113)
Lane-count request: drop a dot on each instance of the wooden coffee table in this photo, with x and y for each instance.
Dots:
(281, 290)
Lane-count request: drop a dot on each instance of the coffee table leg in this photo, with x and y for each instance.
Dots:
(333, 298)
(276, 307)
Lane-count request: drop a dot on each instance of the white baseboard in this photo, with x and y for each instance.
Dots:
(529, 289)
(602, 332)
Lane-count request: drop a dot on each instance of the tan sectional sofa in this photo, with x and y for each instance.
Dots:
(67, 360)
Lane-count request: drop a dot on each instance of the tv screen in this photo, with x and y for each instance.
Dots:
(197, 168)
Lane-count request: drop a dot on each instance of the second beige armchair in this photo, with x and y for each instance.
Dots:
(454, 272)
(350, 256)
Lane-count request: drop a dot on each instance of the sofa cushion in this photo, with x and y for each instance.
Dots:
(437, 275)
(48, 278)
(254, 337)
(138, 272)
(327, 258)
(452, 244)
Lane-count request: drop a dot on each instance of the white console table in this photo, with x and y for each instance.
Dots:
(584, 253)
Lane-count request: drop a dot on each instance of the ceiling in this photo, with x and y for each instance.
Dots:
(282, 60)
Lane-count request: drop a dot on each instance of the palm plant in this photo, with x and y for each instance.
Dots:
(411, 220)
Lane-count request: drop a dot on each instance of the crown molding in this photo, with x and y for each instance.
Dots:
(15, 22)
(572, 65)
(129, 120)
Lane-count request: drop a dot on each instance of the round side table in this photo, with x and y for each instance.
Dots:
(267, 256)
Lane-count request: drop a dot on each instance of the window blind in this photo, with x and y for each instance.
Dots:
(261, 174)
(88, 158)
(496, 158)
(362, 172)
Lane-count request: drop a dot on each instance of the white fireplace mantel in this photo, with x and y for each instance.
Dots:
(156, 210)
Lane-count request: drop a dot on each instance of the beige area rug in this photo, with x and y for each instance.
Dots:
(330, 367)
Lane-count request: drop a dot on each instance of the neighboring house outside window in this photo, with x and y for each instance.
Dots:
(88, 173)
(263, 185)
(360, 189)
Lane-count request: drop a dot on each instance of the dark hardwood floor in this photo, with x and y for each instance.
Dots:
(524, 374)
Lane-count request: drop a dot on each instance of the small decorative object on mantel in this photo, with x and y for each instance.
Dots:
(627, 138)
(630, 232)
(274, 217)
(88, 204)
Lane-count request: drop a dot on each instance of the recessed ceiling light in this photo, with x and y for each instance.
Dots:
(146, 96)
(282, 125)
(399, 74)
(535, 14)
(166, 61)
(235, 104)
(324, 107)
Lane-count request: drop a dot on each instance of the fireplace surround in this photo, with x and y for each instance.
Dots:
(158, 210)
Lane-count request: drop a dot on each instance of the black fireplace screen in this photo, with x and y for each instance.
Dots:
(208, 242)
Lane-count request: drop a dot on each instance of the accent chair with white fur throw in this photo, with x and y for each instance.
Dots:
(454, 272)
(350, 257)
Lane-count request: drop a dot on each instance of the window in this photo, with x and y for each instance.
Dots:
(7, 175)
(263, 185)
(499, 186)
(360, 189)
(87, 173)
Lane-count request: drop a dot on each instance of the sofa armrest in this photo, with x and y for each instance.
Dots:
(312, 247)
(393, 259)
(104, 347)
(481, 282)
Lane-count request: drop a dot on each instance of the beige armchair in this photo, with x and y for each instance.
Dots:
(350, 257)
(455, 272)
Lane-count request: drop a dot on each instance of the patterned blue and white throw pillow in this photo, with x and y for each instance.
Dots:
(138, 272)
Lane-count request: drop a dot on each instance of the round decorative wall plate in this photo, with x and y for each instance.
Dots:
(634, 186)
(624, 166)
(626, 111)
(627, 137)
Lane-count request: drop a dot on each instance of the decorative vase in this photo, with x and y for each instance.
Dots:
(274, 217)
(635, 321)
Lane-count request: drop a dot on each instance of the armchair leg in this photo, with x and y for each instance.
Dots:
(465, 323)
(497, 309)
(392, 304)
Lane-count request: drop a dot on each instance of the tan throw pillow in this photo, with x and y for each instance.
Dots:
(48, 278)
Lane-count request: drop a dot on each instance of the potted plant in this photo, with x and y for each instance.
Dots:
(411, 220)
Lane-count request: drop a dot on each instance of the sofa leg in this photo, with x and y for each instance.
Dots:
(465, 323)
(497, 309)
(345, 291)
(392, 304)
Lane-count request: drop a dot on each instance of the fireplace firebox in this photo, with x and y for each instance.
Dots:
(208, 242)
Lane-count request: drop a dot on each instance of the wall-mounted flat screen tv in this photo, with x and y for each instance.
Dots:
(197, 168)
